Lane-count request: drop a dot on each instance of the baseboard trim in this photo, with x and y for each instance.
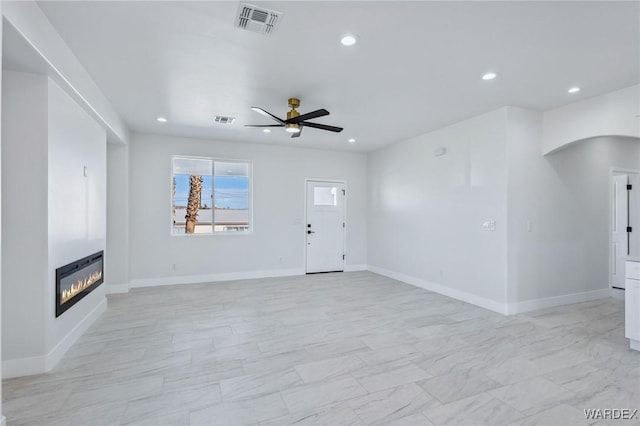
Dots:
(356, 268)
(41, 364)
(206, 278)
(492, 305)
(550, 302)
(23, 367)
(616, 293)
(482, 302)
(55, 355)
(117, 288)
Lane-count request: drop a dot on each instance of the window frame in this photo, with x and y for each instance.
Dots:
(213, 233)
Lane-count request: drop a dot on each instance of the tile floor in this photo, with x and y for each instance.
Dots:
(335, 349)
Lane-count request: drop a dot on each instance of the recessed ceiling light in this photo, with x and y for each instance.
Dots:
(574, 90)
(352, 140)
(161, 120)
(267, 130)
(348, 40)
(489, 76)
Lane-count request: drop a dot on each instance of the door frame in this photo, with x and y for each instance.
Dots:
(614, 171)
(344, 213)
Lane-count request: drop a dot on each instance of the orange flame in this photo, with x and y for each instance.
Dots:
(79, 285)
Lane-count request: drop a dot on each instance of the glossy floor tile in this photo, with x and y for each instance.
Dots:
(334, 349)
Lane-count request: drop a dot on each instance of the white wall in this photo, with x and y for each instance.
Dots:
(278, 210)
(559, 213)
(3, 420)
(64, 67)
(52, 215)
(612, 114)
(426, 212)
(77, 204)
(117, 254)
(551, 244)
(571, 197)
(24, 215)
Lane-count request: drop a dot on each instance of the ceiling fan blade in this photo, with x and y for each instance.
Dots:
(322, 126)
(308, 116)
(267, 114)
(263, 125)
(297, 134)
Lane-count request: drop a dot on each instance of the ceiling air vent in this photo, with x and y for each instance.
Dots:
(257, 19)
(224, 120)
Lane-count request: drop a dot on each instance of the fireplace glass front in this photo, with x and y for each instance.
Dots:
(77, 279)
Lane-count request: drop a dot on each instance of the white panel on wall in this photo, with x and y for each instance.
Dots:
(77, 203)
(2, 418)
(117, 253)
(426, 211)
(24, 214)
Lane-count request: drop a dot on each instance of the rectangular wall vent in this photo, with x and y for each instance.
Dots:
(257, 19)
(224, 120)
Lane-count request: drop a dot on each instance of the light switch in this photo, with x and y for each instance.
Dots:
(439, 152)
(86, 171)
(489, 225)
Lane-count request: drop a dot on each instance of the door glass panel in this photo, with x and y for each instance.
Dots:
(325, 196)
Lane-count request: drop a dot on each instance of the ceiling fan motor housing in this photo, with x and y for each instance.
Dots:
(293, 127)
(292, 114)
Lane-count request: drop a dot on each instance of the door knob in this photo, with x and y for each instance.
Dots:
(311, 232)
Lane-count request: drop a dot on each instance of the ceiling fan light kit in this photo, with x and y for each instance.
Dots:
(292, 128)
(295, 122)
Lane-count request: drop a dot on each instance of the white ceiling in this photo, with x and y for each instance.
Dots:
(416, 67)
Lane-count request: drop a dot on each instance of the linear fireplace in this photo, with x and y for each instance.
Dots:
(77, 279)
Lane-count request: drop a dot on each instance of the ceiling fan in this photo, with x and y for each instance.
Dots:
(295, 122)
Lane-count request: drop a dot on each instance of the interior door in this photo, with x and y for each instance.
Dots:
(325, 226)
(620, 238)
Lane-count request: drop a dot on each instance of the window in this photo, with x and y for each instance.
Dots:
(210, 196)
(325, 196)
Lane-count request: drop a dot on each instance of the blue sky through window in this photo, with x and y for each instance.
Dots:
(231, 192)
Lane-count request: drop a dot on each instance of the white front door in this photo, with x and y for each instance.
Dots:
(325, 226)
(620, 221)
